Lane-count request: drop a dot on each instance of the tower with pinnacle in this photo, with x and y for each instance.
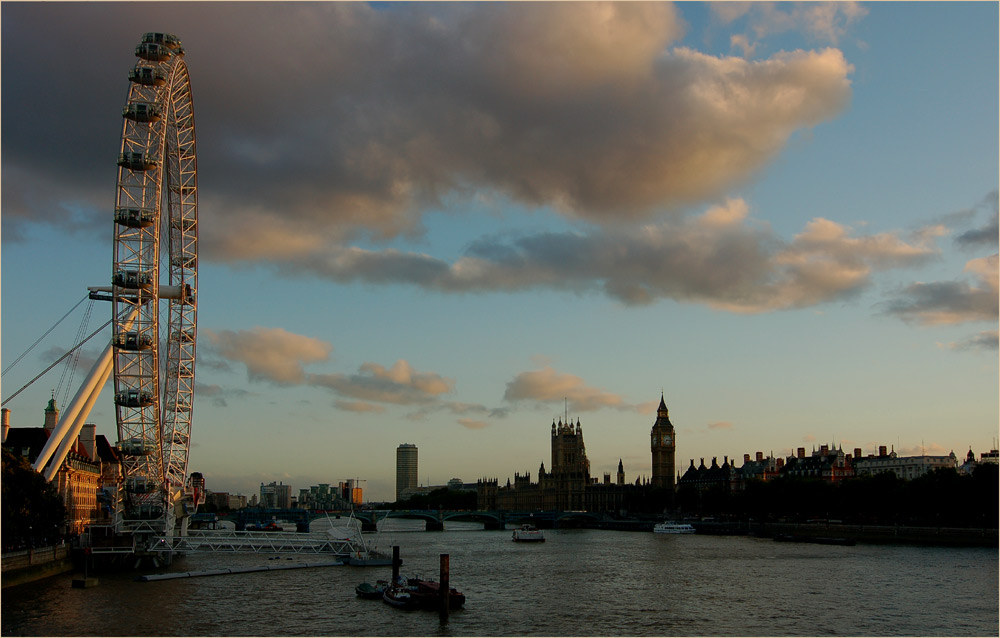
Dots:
(663, 446)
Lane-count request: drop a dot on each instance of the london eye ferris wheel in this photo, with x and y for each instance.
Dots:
(155, 282)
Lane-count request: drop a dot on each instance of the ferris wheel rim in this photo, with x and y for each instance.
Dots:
(156, 217)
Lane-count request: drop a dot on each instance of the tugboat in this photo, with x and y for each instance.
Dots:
(415, 593)
(528, 534)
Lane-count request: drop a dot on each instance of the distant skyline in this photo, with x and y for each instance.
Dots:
(448, 224)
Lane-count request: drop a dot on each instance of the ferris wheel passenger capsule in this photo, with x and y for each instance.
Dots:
(135, 217)
(137, 446)
(132, 279)
(168, 40)
(134, 399)
(147, 76)
(152, 52)
(142, 112)
(136, 161)
(133, 341)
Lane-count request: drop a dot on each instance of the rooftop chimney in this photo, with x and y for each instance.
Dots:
(88, 439)
(882, 451)
(746, 459)
(760, 456)
(801, 453)
(857, 453)
(5, 419)
(824, 450)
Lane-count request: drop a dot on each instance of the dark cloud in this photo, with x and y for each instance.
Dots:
(987, 235)
(719, 258)
(987, 340)
(950, 302)
(317, 121)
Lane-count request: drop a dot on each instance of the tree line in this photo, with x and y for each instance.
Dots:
(942, 498)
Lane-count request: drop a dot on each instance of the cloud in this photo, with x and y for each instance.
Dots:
(460, 409)
(218, 395)
(720, 425)
(825, 21)
(721, 258)
(398, 385)
(950, 302)
(988, 235)
(472, 424)
(809, 438)
(270, 354)
(549, 386)
(930, 449)
(358, 406)
(582, 107)
(986, 340)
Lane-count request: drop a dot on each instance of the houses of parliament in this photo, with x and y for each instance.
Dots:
(568, 485)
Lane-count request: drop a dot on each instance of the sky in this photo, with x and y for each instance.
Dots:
(449, 224)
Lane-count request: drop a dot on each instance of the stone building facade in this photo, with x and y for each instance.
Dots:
(89, 471)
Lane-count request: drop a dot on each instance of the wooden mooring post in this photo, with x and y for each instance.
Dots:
(395, 564)
(445, 588)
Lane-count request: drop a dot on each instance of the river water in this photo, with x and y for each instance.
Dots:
(577, 583)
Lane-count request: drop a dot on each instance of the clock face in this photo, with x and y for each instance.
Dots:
(667, 439)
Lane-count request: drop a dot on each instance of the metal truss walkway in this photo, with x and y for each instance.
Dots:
(350, 548)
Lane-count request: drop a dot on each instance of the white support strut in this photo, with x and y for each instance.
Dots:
(92, 385)
(69, 426)
(77, 425)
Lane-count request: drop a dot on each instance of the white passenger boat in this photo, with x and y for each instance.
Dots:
(673, 528)
(528, 534)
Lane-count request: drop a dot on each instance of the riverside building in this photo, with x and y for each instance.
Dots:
(88, 476)
(568, 485)
(406, 468)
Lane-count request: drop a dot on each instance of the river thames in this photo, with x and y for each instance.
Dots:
(577, 583)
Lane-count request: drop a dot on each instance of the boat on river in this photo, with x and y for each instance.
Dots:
(667, 527)
(528, 534)
(371, 592)
(415, 593)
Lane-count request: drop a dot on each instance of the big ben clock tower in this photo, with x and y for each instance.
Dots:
(662, 445)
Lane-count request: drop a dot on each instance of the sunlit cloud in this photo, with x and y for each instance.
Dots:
(930, 449)
(472, 424)
(399, 384)
(548, 386)
(588, 109)
(358, 406)
(720, 425)
(269, 354)
(825, 21)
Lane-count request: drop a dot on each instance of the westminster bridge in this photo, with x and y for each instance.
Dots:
(434, 520)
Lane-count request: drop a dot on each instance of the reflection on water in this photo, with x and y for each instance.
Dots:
(577, 583)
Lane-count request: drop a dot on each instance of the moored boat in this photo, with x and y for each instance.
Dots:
(528, 534)
(399, 597)
(667, 527)
(371, 592)
(420, 594)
